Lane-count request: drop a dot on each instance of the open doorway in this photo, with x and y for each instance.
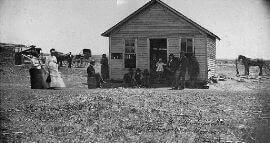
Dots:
(158, 49)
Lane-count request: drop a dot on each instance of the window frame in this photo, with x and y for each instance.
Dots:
(121, 54)
(124, 52)
(180, 43)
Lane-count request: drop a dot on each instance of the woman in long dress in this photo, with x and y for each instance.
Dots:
(104, 67)
(55, 80)
(37, 72)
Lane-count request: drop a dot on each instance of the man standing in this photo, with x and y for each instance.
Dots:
(181, 71)
(193, 70)
(69, 60)
(172, 66)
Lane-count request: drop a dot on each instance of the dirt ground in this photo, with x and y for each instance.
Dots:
(234, 110)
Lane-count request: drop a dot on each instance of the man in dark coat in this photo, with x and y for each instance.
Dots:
(193, 70)
(172, 66)
(181, 72)
(69, 59)
(104, 67)
(92, 75)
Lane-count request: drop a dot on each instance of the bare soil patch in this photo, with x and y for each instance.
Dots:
(229, 111)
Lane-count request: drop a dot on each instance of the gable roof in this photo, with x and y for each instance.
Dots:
(148, 4)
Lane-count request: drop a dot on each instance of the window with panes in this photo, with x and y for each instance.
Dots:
(187, 46)
(130, 53)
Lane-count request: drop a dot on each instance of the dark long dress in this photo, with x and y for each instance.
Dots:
(37, 75)
(104, 68)
(37, 79)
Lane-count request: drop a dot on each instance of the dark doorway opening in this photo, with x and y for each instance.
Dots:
(158, 49)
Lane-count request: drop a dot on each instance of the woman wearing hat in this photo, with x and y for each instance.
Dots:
(36, 71)
(104, 67)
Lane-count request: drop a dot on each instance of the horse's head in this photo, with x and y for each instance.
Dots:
(241, 57)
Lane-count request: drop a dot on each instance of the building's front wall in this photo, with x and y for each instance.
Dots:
(156, 22)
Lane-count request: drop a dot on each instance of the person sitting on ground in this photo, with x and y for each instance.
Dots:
(138, 77)
(160, 69)
(146, 78)
(92, 73)
(128, 79)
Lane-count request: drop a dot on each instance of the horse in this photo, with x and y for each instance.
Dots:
(247, 62)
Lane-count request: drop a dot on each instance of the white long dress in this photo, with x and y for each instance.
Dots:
(52, 66)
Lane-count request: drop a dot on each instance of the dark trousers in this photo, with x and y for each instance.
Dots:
(179, 79)
(69, 64)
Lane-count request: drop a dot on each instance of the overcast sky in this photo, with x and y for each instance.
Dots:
(71, 25)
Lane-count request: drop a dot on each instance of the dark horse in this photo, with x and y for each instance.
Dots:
(247, 62)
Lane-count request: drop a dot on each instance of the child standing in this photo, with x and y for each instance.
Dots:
(138, 77)
(160, 69)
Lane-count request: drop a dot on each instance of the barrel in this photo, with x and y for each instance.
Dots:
(91, 81)
(36, 78)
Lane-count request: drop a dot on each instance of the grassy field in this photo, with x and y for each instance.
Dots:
(230, 111)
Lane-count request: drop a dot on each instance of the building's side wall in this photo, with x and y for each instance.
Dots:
(200, 54)
(155, 22)
(211, 56)
(7, 56)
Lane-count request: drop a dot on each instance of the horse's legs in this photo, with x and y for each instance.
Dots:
(260, 74)
(246, 70)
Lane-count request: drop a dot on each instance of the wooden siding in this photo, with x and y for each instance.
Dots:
(117, 45)
(173, 46)
(155, 21)
(211, 56)
(200, 54)
(142, 53)
(116, 65)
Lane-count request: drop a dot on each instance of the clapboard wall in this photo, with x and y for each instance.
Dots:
(156, 22)
(211, 56)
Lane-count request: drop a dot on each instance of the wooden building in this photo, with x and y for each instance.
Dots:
(9, 54)
(154, 31)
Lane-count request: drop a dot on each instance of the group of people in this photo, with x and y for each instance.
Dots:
(137, 78)
(174, 70)
(45, 76)
(177, 68)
